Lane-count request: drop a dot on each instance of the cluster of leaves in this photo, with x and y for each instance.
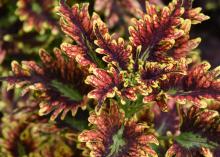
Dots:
(131, 82)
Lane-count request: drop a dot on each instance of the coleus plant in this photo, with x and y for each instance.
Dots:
(145, 95)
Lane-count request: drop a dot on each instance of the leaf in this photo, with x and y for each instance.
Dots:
(55, 96)
(199, 132)
(133, 107)
(117, 13)
(21, 149)
(166, 121)
(111, 135)
(198, 83)
(37, 14)
(107, 84)
(165, 29)
(76, 123)
(194, 14)
(116, 52)
(184, 45)
(191, 140)
(157, 30)
(76, 23)
(118, 142)
(66, 91)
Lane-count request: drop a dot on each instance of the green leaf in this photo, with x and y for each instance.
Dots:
(21, 149)
(79, 124)
(132, 107)
(118, 142)
(190, 140)
(36, 7)
(94, 56)
(67, 91)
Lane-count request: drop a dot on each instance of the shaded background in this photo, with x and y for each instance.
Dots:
(209, 31)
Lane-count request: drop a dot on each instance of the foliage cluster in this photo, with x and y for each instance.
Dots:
(120, 80)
